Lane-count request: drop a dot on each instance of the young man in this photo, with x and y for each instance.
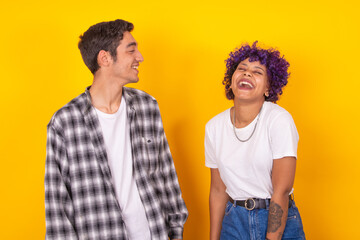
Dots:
(109, 172)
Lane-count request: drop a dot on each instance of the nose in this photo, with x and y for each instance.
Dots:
(139, 57)
(246, 73)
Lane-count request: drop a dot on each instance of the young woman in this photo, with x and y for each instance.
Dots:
(251, 149)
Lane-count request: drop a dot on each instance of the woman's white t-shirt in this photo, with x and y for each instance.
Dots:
(245, 167)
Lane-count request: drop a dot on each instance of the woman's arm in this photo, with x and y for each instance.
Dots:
(283, 174)
(217, 201)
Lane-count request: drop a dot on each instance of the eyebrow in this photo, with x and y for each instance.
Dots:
(131, 44)
(255, 66)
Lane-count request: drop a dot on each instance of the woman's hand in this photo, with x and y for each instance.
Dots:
(217, 202)
(283, 174)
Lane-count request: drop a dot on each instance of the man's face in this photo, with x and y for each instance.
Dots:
(125, 68)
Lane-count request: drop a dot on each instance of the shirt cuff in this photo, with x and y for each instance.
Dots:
(211, 165)
(176, 233)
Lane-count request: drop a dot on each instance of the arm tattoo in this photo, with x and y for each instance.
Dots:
(280, 235)
(275, 215)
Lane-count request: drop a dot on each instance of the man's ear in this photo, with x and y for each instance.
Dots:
(104, 59)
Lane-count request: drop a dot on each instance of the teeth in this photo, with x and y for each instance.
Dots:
(136, 67)
(246, 83)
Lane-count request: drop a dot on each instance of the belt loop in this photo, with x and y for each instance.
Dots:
(234, 204)
(267, 202)
(291, 200)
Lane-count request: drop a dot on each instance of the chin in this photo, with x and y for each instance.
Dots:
(242, 96)
(135, 80)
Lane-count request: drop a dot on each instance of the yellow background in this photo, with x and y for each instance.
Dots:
(185, 44)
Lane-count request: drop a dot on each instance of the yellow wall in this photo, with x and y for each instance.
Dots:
(184, 45)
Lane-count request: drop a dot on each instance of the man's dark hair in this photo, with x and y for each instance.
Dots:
(102, 36)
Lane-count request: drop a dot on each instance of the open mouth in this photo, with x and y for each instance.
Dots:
(244, 84)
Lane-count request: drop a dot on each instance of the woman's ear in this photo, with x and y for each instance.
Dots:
(266, 93)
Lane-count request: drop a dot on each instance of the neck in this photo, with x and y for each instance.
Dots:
(105, 95)
(245, 113)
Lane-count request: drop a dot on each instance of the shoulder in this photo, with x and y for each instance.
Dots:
(68, 112)
(218, 120)
(275, 112)
(277, 116)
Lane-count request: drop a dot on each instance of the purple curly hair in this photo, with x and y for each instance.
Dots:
(276, 65)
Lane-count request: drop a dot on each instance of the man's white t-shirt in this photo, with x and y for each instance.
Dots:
(245, 167)
(116, 132)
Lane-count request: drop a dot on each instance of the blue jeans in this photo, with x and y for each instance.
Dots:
(242, 224)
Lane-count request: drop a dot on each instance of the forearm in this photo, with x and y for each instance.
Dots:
(217, 203)
(175, 209)
(278, 211)
(58, 204)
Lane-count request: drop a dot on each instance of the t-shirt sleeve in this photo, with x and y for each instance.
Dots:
(283, 136)
(210, 161)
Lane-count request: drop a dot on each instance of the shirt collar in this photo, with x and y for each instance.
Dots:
(128, 96)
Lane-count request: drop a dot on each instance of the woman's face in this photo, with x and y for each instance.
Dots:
(249, 81)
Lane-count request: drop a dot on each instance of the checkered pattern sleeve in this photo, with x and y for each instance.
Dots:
(58, 205)
(175, 210)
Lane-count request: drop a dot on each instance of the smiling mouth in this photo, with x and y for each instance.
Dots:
(135, 67)
(245, 85)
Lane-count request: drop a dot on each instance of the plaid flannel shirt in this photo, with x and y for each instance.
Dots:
(80, 201)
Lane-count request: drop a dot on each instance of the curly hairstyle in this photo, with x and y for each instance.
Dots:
(102, 36)
(276, 65)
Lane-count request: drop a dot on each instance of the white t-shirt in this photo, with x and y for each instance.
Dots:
(245, 167)
(116, 132)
